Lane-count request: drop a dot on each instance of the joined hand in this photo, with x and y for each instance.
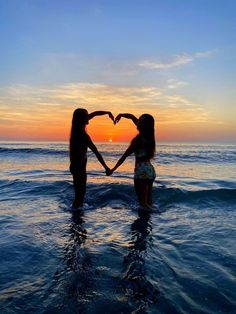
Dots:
(109, 171)
(118, 117)
(111, 117)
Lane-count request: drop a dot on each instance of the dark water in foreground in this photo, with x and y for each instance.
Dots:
(109, 258)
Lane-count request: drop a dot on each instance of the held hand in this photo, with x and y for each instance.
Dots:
(111, 117)
(108, 171)
(117, 119)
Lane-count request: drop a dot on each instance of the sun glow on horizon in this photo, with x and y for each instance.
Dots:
(45, 113)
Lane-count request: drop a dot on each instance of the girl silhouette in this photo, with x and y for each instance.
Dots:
(143, 147)
(79, 143)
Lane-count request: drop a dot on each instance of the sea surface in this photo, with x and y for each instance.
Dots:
(109, 257)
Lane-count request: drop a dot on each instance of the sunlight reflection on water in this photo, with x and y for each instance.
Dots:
(179, 259)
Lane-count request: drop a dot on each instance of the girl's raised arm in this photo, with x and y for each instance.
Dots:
(127, 116)
(100, 113)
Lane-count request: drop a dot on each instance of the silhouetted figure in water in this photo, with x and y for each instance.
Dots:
(143, 147)
(79, 143)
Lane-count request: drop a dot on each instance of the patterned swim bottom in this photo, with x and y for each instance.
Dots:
(144, 170)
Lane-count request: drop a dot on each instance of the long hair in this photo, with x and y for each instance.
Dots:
(146, 127)
(78, 128)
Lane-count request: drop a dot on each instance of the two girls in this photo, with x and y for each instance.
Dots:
(143, 147)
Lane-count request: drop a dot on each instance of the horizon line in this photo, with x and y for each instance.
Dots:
(124, 141)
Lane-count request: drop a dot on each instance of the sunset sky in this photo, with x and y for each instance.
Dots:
(174, 59)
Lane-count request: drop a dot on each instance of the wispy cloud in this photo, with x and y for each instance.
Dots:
(204, 54)
(21, 102)
(45, 112)
(173, 84)
(68, 67)
(175, 61)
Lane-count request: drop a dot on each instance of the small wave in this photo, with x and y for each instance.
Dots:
(197, 157)
(50, 152)
(223, 155)
(37, 151)
(175, 195)
(21, 189)
(113, 194)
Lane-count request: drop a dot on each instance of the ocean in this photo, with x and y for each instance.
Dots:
(110, 258)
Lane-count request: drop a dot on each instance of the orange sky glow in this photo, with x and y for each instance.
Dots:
(30, 113)
(102, 129)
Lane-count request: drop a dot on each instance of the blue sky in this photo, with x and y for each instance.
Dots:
(183, 48)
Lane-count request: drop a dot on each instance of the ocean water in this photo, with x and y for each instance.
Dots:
(109, 258)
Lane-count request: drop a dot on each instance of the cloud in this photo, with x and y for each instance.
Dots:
(39, 112)
(173, 84)
(60, 68)
(53, 105)
(204, 54)
(175, 61)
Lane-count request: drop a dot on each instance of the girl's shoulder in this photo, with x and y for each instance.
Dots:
(135, 140)
(139, 140)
